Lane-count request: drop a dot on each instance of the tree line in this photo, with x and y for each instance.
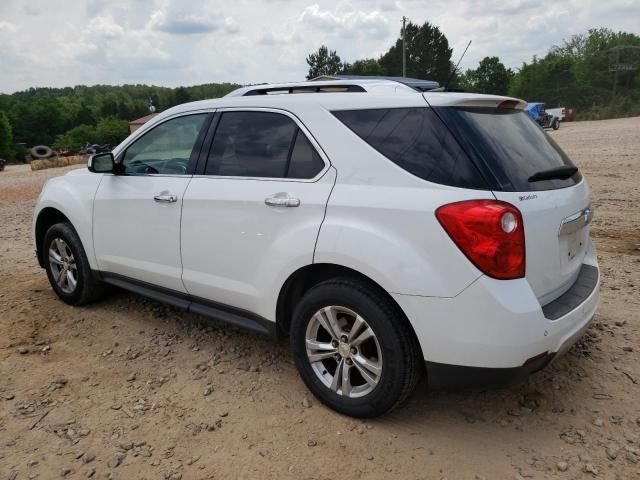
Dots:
(579, 73)
(72, 116)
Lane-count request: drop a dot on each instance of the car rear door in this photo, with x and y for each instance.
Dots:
(252, 215)
(136, 217)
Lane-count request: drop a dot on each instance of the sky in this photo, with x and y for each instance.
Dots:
(59, 43)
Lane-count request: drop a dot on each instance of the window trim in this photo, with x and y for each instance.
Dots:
(206, 147)
(195, 152)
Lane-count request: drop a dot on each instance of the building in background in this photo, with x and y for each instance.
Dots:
(136, 124)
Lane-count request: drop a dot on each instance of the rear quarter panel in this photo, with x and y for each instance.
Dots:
(391, 235)
(381, 222)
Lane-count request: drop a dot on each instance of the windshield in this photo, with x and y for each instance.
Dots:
(510, 144)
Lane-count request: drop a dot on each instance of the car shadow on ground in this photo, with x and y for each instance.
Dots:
(516, 406)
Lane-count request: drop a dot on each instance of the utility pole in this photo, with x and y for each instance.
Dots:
(404, 48)
(615, 74)
(618, 67)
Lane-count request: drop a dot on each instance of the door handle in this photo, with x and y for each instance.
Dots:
(165, 197)
(282, 201)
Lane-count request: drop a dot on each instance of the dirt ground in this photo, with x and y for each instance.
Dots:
(131, 389)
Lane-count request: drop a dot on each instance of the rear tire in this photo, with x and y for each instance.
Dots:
(68, 268)
(370, 339)
(556, 124)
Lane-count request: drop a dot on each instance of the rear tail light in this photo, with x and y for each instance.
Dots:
(490, 233)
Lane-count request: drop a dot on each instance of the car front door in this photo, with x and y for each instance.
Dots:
(253, 214)
(136, 217)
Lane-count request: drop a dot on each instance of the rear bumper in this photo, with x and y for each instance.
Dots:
(445, 376)
(496, 325)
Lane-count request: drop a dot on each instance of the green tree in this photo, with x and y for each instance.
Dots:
(76, 138)
(490, 77)
(42, 115)
(84, 115)
(366, 66)
(181, 95)
(111, 131)
(6, 137)
(323, 62)
(428, 55)
(579, 74)
(461, 81)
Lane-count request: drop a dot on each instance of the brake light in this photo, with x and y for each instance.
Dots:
(511, 104)
(490, 233)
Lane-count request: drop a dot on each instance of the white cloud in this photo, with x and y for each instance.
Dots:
(270, 38)
(7, 27)
(231, 26)
(346, 23)
(104, 26)
(178, 18)
(182, 42)
(182, 24)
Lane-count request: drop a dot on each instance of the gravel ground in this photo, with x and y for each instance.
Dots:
(132, 389)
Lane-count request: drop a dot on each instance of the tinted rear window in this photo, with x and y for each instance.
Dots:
(511, 145)
(416, 140)
(305, 161)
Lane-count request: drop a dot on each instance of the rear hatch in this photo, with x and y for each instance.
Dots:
(509, 150)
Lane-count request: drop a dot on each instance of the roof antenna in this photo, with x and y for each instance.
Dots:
(446, 85)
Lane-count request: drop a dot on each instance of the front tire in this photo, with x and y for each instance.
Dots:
(354, 349)
(68, 268)
(556, 124)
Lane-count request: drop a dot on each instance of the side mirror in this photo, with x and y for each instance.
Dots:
(101, 163)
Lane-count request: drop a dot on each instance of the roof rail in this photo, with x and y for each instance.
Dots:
(331, 85)
(414, 83)
(268, 90)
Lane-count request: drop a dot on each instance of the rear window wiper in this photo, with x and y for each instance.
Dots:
(562, 173)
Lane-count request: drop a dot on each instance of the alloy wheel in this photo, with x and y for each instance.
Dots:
(344, 351)
(63, 265)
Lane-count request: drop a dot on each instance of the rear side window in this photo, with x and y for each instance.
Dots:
(305, 161)
(261, 144)
(416, 140)
(510, 144)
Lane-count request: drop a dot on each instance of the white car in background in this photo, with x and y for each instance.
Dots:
(383, 227)
(557, 112)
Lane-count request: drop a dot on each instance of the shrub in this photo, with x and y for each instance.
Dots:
(76, 138)
(111, 131)
(6, 138)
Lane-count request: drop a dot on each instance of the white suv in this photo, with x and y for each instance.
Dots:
(381, 227)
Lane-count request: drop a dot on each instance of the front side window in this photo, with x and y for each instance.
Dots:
(166, 149)
(261, 144)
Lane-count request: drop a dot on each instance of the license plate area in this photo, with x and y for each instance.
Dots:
(573, 245)
(573, 233)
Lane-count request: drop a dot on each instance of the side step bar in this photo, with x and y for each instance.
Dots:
(216, 311)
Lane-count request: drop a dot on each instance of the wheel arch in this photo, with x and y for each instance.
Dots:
(305, 278)
(47, 217)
